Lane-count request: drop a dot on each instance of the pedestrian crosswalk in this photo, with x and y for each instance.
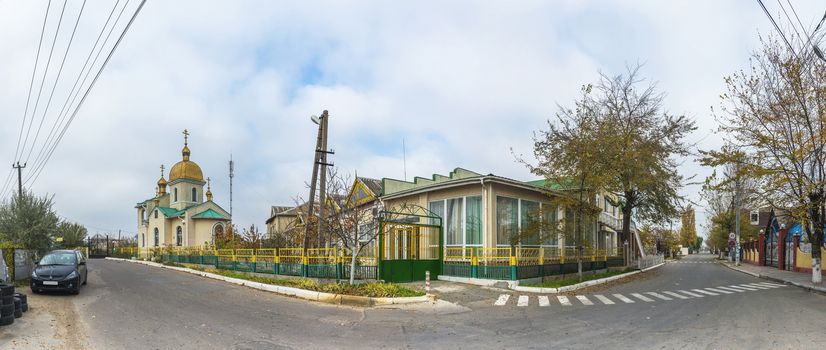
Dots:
(645, 297)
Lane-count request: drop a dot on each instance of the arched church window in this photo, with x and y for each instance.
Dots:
(156, 236)
(179, 237)
(175, 193)
(156, 213)
(143, 240)
(194, 192)
(218, 230)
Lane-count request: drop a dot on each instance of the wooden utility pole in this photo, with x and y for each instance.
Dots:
(19, 178)
(320, 158)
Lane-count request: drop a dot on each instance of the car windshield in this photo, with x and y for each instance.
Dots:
(63, 258)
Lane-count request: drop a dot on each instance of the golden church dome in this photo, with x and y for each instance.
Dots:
(186, 169)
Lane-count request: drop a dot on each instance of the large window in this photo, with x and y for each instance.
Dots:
(194, 194)
(525, 223)
(156, 236)
(453, 222)
(179, 237)
(507, 220)
(175, 194)
(462, 220)
(143, 240)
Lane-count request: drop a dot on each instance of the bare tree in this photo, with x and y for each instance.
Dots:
(351, 225)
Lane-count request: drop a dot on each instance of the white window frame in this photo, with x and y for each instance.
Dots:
(443, 214)
(519, 222)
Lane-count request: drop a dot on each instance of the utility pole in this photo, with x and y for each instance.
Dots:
(323, 184)
(320, 158)
(19, 178)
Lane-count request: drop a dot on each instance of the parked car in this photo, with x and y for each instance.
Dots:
(60, 270)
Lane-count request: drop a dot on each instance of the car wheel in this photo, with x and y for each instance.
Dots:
(76, 291)
(85, 278)
(34, 291)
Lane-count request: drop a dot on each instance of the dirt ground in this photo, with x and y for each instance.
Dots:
(52, 322)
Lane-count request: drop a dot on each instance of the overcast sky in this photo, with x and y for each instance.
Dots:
(461, 82)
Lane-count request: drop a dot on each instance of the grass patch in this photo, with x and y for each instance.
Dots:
(371, 289)
(574, 280)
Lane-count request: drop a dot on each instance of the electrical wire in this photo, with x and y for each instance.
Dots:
(776, 27)
(89, 89)
(61, 115)
(56, 81)
(42, 81)
(31, 83)
(39, 161)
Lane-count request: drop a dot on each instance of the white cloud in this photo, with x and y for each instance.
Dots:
(460, 82)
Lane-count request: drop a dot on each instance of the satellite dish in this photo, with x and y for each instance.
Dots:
(314, 118)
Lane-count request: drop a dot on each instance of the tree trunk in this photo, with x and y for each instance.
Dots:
(817, 242)
(626, 226)
(354, 253)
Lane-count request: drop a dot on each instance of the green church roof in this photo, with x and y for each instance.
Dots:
(169, 212)
(209, 214)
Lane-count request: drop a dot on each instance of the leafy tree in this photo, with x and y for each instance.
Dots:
(252, 237)
(774, 118)
(571, 158)
(642, 148)
(688, 229)
(72, 234)
(28, 222)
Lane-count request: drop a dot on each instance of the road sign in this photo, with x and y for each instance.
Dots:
(731, 236)
(731, 244)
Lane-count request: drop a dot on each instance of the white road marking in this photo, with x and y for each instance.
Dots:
(676, 295)
(756, 286)
(543, 301)
(642, 297)
(584, 300)
(623, 299)
(772, 284)
(604, 299)
(750, 289)
(523, 300)
(704, 292)
(564, 300)
(503, 299)
(658, 295)
(691, 293)
(719, 291)
(766, 285)
(731, 289)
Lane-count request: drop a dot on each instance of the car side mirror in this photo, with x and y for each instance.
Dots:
(82, 263)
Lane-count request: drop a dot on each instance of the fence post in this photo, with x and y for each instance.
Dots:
(338, 264)
(513, 263)
(276, 261)
(304, 263)
(474, 264)
(255, 260)
(234, 261)
(427, 281)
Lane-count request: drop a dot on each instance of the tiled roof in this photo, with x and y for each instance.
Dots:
(209, 214)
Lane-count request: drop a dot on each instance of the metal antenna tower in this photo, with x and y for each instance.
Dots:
(231, 175)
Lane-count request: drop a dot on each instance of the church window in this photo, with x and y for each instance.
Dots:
(156, 236)
(143, 240)
(156, 213)
(217, 231)
(179, 237)
(194, 193)
(175, 193)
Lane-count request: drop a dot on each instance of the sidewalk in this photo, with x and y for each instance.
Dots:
(799, 279)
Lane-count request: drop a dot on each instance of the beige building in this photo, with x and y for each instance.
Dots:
(181, 213)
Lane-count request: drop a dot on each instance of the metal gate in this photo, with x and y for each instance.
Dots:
(98, 246)
(410, 243)
(771, 249)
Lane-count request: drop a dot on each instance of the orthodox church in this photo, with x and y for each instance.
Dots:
(180, 216)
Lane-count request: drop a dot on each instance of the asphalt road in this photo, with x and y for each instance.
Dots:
(132, 306)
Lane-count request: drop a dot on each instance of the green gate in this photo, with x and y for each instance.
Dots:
(410, 243)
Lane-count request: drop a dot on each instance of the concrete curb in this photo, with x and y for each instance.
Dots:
(338, 299)
(809, 288)
(514, 285)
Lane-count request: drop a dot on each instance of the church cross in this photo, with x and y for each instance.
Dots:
(186, 136)
(161, 170)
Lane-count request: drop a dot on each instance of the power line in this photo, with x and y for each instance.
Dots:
(6, 184)
(62, 114)
(42, 81)
(782, 8)
(31, 83)
(56, 80)
(776, 27)
(89, 89)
